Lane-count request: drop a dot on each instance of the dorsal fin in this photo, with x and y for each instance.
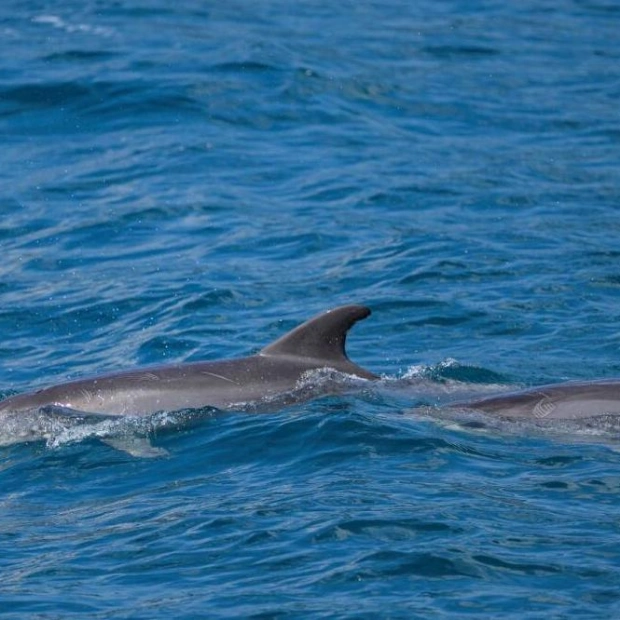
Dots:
(323, 338)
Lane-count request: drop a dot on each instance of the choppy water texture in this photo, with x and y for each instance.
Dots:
(185, 181)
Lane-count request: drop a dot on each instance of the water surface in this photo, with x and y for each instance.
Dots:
(184, 182)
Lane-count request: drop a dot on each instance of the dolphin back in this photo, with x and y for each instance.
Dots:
(322, 339)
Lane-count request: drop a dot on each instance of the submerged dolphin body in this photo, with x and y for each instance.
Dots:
(267, 377)
(561, 401)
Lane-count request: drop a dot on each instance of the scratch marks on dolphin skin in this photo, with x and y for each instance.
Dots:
(138, 377)
(544, 407)
(86, 395)
(212, 374)
(149, 376)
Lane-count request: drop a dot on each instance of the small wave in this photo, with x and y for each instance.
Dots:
(68, 434)
(451, 370)
(399, 563)
(443, 383)
(58, 430)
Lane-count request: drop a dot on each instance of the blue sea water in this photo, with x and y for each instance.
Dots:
(186, 181)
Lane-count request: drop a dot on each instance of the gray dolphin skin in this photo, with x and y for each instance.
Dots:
(275, 370)
(268, 380)
(561, 401)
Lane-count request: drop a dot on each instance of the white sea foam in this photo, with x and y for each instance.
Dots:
(58, 22)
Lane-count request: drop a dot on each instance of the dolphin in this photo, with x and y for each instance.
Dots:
(271, 377)
(575, 400)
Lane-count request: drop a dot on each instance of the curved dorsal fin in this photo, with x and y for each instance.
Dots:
(322, 338)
